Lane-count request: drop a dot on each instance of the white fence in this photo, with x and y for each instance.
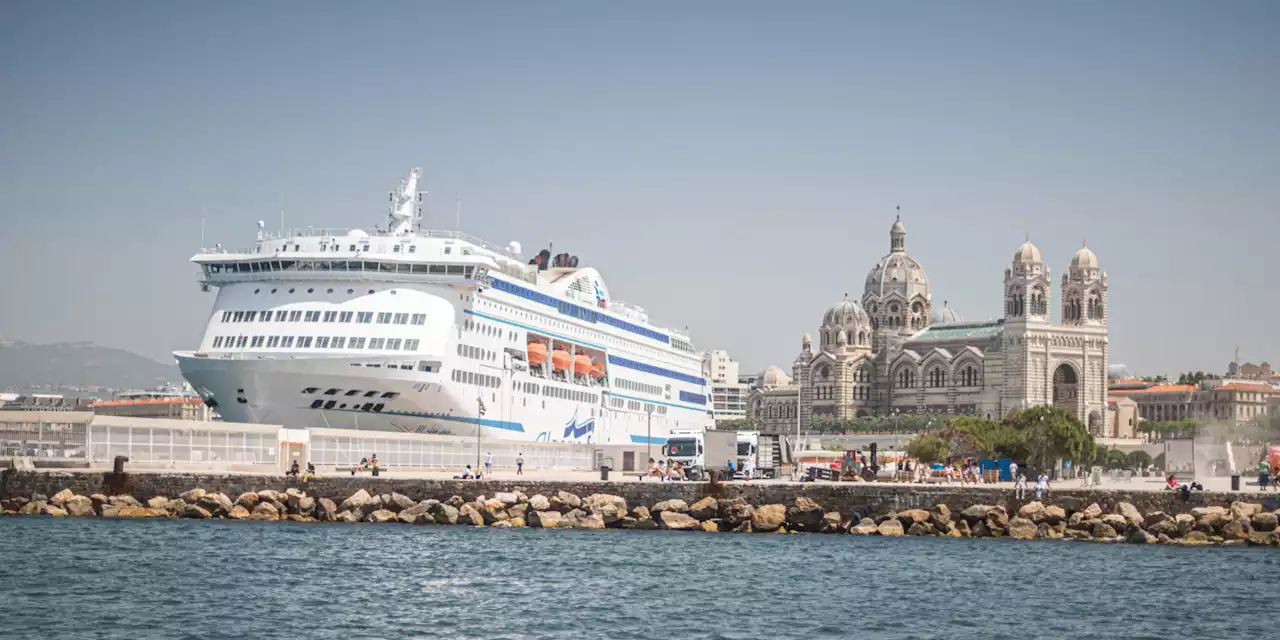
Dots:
(339, 447)
(166, 442)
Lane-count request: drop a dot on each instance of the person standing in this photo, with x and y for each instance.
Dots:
(1013, 471)
(520, 464)
(1264, 474)
(488, 464)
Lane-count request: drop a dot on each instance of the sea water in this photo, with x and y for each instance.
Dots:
(70, 578)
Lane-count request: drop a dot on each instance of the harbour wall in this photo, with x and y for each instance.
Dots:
(846, 498)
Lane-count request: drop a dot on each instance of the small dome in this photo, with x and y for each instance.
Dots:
(1027, 253)
(844, 313)
(1084, 258)
(946, 315)
(357, 233)
(807, 340)
(898, 227)
(842, 338)
(772, 377)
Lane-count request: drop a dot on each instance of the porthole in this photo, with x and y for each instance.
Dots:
(393, 292)
(330, 291)
(350, 291)
(273, 291)
(255, 291)
(311, 290)
(291, 290)
(371, 291)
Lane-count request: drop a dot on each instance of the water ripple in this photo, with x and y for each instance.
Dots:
(181, 579)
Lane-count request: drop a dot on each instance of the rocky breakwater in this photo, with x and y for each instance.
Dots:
(1240, 523)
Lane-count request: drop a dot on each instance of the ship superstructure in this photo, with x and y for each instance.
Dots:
(432, 331)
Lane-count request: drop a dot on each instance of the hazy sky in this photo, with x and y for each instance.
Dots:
(730, 166)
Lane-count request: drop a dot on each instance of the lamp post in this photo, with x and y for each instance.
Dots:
(799, 404)
(479, 412)
(648, 433)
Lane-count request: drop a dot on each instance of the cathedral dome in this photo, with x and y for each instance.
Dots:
(772, 377)
(845, 323)
(1084, 258)
(1027, 253)
(946, 315)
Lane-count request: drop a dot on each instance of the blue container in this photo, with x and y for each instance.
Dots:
(1003, 465)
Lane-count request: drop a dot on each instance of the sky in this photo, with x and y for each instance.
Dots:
(732, 167)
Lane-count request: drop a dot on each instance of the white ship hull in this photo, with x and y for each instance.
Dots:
(435, 332)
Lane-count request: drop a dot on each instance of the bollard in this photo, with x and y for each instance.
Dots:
(1235, 482)
(119, 464)
(604, 474)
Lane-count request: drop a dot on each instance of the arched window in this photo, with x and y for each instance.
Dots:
(969, 377)
(937, 377)
(906, 378)
(862, 337)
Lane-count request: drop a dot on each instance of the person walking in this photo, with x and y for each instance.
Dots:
(1013, 471)
(520, 464)
(488, 464)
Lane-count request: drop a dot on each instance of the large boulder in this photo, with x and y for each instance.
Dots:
(418, 513)
(443, 513)
(1033, 511)
(1053, 514)
(1186, 522)
(544, 519)
(831, 522)
(1102, 530)
(305, 506)
(589, 521)
(124, 501)
(976, 513)
(238, 512)
(82, 507)
(399, 502)
(1023, 528)
(736, 511)
(705, 509)
(158, 502)
(1130, 513)
(518, 510)
(564, 502)
(507, 497)
(248, 499)
(539, 502)
(768, 517)
(469, 515)
(1116, 521)
(678, 506)
(920, 529)
(195, 512)
(892, 527)
(866, 527)
(997, 521)
(1264, 538)
(56, 512)
(674, 520)
(1092, 512)
(1235, 529)
(215, 503)
(1195, 538)
(1166, 526)
(710, 526)
(1138, 536)
(357, 500)
(326, 509)
(609, 507)
(805, 515)
(940, 516)
(1262, 521)
(193, 496)
(266, 511)
(60, 498)
(1239, 510)
(381, 515)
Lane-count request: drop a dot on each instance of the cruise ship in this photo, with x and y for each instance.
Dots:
(418, 330)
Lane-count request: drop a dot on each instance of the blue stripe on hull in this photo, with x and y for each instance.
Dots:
(645, 440)
(484, 422)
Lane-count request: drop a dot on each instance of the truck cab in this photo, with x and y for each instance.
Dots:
(700, 451)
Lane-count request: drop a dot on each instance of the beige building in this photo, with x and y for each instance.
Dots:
(1213, 400)
(892, 352)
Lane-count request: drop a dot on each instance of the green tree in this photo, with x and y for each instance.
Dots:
(1050, 433)
(739, 424)
(970, 436)
(928, 448)
(1139, 459)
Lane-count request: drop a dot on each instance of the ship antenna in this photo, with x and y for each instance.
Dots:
(402, 204)
(458, 212)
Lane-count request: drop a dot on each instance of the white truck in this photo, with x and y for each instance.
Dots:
(700, 451)
(756, 455)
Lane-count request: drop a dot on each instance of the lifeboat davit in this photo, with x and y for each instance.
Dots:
(560, 359)
(597, 370)
(581, 364)
(537, 353)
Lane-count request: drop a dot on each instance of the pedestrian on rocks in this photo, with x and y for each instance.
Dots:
(520, 464)
(488, 464)
(1020, 485)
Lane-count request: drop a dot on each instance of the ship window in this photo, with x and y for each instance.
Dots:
(287, 342)
(402, 318)
(357, 343)
(317, 403)
(436, 269)
(322, 342)
(395, 249)
(413, 248)
(448, 250)
(330, 404)
(419, 318)
(273, 341)
(331, 316)
(345, 316)
(337, 342)
(376, 343)
(351, 248)
(217, 342)
(455, 270)
(364, 317)
(353, 392)
(370, 394)
(390, 395)
(411, 345)
(295, 316)
(393, 344)
(384, 318)
(367, 406)
(332, 392)
(226, 316)
(378, 407)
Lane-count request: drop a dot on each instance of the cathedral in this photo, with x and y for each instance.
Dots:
(893, 352)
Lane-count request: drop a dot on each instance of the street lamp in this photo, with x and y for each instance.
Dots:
(648, 435)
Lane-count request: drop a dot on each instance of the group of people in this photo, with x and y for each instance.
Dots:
(663, 472)
(367, 464)
(474, 474)
(294, 471)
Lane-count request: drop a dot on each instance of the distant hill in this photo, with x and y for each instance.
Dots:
(79, 364)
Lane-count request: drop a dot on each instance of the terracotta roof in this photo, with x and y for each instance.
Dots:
(1129, 381)
(1239, 386)
(1162, 388)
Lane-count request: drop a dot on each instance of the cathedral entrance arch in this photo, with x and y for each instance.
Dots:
(1095, 424)
(1066, 384)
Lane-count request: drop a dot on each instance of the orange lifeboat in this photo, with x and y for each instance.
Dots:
(560, 359)
(537, 353)
(581, 364)
(597, 370)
